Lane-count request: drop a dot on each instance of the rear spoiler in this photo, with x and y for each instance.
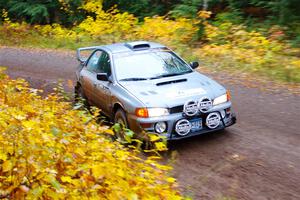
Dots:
(83, 58)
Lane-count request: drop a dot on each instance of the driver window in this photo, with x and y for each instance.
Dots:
(99, 63)
(104, 64)
(93, 61)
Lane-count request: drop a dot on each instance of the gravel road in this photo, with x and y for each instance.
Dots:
(258, 158)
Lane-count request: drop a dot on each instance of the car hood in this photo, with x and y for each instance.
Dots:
(174, 91)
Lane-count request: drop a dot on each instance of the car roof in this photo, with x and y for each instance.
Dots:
(130, 46)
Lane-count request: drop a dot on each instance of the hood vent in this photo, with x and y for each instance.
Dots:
(170, 82)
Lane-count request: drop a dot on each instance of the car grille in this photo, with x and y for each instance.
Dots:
(176, 109)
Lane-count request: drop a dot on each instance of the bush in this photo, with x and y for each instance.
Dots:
(166, 31)
(50, 150)
(220, 43)
(233, 47)
(113, 24)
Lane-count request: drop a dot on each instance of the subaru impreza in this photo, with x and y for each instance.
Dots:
(147, 87)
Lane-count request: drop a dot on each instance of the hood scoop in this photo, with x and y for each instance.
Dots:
(170, 82)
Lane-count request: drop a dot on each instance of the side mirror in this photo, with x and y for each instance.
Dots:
(102, 77)
(82, 60)
(194, 65)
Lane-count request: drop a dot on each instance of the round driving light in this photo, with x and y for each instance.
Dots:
(205, 104)
(183, 127)
(190, 108)
(213, 120)
(160, 127)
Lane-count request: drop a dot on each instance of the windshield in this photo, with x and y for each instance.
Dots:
(149, 65)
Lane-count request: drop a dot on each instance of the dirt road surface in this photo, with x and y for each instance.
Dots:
(258, 158)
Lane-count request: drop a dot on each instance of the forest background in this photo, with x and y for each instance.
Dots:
(251, 36)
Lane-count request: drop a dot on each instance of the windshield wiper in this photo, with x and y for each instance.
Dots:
(133, 79)
(169, 75)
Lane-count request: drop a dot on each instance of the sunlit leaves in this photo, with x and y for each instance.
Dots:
(167, 31)
(92, 6)
(7, 166)
(49, 150)
(111, 23)
(233, 47)
(217, 42)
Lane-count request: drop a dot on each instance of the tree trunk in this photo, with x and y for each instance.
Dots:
(56, 18)
(205, 4)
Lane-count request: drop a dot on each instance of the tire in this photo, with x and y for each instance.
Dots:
(120, 117)
(80, 96)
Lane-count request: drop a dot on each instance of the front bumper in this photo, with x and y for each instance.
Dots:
(227, 119)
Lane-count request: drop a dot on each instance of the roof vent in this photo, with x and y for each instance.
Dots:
(138, 45)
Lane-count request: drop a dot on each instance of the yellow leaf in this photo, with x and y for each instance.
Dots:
(3, 156)
(109, 131)
(97, 170)
(7, 166)
(80, 152)
(66, 179)
(28, 124)
(160, 146)
(153, 137)
(171, 180)
(154, 157)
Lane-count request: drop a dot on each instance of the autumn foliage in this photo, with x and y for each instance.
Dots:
(231, 46)
(217, 44)
(50, 150)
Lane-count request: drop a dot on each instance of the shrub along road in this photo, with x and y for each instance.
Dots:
(258, 158)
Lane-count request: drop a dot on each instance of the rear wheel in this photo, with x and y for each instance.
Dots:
(80, 96)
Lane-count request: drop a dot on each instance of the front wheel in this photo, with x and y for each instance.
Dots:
(121, 119)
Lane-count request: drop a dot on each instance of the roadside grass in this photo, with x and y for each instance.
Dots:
(232, 50)
(277, 69)
(35, 40)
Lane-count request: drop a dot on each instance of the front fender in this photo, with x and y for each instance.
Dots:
(125, 99)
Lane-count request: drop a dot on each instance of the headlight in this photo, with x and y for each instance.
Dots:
(222, 99)
(156, 112)
(151, 112)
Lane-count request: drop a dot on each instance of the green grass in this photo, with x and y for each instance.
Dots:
(32, 39)
(38, 41)
(274, 71)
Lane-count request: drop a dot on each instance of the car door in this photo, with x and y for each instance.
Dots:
(88, 75)
(102, 93)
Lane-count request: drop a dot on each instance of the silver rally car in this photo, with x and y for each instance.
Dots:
(146, 86)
